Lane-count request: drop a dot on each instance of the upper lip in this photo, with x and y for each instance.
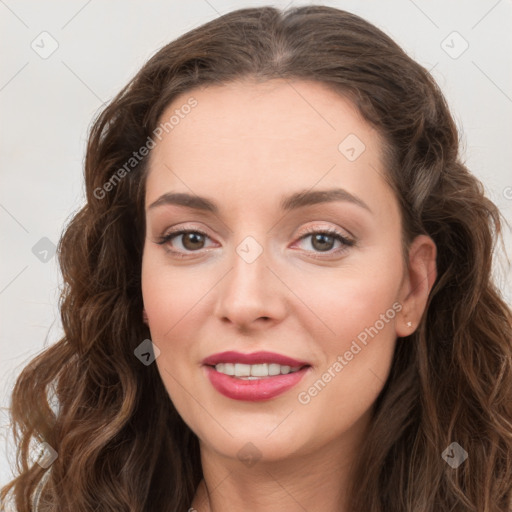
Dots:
(253, 358)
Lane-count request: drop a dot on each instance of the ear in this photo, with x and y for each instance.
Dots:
(144, 316)
(418, 280)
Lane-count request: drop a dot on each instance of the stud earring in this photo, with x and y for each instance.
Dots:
(409, 324)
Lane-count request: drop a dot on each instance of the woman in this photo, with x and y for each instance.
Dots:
(278, 295)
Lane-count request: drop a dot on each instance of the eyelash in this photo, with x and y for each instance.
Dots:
(346, 242)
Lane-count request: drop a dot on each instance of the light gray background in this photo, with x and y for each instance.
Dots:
(47, 105)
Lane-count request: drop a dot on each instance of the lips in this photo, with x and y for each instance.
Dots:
(256, 389)
(253, 390)
(254, 358)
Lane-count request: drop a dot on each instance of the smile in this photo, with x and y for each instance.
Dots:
(254, 371)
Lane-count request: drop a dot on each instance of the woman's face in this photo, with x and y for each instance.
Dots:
(294, 249)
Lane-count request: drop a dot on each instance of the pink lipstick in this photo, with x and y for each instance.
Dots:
(253, 377)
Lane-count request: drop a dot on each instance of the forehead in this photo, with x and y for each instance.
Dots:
(251, 138)
(250, 110)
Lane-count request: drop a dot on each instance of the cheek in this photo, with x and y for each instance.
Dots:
(356, 363)
(172, 296)
(358, 308)
(172, 303)
(343, 302)
(177, 300)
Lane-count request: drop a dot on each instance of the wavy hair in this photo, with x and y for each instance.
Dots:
(122, 445)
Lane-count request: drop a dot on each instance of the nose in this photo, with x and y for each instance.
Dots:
(250, 296)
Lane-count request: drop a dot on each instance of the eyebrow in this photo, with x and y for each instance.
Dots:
(292, 202)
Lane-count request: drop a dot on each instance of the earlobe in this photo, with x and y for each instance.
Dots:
(144, 316)
(419, 280)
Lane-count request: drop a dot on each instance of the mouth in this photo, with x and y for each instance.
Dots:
(253, 377)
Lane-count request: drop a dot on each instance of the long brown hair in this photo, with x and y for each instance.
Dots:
(121, 444)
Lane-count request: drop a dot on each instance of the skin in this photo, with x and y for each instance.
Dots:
(245, 146)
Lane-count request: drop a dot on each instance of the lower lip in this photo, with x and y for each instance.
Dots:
(253, 390)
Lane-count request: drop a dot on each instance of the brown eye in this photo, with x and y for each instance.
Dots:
(191, 240)
(322, 242)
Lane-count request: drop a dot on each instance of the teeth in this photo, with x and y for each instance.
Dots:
(259, 370)
(242, 370)
(274, 369)
(254, 371)
(229, 369)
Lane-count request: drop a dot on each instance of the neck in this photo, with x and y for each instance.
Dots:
(316, 481)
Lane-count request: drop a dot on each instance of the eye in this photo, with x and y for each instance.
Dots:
(191, 240)
(323, 240)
